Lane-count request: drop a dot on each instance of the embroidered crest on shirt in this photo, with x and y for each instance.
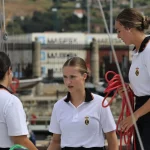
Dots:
(87, 120)
(137, 71)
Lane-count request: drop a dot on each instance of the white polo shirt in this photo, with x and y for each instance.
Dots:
(12, 118)
(139, 73)
(82, 126)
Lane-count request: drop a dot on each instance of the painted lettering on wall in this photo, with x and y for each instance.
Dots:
(62, 41)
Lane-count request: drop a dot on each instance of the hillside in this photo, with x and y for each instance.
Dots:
(25, 7)
(62, 18)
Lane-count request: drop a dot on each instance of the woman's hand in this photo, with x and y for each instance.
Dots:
(121, 90)
(128, 122)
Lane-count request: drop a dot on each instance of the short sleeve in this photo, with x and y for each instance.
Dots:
(146, 59)
(54, 124)
(15, 118)
(107, 120)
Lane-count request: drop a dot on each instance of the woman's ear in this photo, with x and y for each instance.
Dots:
(9, 71)
(85, 76)
(129, 29)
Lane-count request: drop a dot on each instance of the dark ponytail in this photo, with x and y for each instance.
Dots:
(4, 64)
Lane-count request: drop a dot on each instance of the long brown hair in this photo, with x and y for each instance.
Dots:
(132, 18)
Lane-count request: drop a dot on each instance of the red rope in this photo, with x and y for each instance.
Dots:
(115, 85)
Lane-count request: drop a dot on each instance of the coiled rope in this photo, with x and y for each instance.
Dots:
(115, 85)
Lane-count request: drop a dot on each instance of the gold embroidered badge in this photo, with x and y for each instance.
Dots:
(137, 71)
(87, 120)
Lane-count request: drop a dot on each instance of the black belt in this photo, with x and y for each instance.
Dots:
(4, 148)
(83, 148)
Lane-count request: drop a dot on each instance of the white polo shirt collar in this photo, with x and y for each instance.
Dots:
(3, 87)
(88, 96)
(143, 45)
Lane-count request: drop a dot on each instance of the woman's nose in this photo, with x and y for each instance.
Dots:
(68, 81)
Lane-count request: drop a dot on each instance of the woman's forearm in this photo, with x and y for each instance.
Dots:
(113, 145)
(112, 140)
(143, 110)
(24, 141)
(54, 146)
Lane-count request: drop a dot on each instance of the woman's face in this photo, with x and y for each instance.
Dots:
(73, 79)
(123, 33)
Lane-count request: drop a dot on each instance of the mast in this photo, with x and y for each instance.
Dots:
(88, 17)
(111, 28)
(131, 3)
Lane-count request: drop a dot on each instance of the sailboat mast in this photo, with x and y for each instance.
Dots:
(88, 17)
(111, 28)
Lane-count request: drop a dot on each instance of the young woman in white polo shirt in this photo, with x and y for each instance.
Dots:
(130, 25)
(13, 127)
(78, 120)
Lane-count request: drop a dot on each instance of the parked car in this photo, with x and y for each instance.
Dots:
(91, 87)
(53, 80)
(100, 88)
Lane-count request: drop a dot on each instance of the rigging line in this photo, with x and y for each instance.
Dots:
(3, 5)
(5, 44)
(1, 27)
(119, 70)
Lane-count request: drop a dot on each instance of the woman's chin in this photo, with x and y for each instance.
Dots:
(70, 89)
(127, 43)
